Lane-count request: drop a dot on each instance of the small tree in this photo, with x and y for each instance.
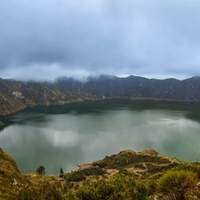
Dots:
(61, 173)
(41, 170)
(176, 184)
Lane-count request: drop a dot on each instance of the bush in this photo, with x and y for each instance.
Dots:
(176, 185)
(42, 191)
(75, 176)
(93, 171)
(121, 186)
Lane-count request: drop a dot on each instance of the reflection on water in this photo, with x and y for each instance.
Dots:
(40, 137)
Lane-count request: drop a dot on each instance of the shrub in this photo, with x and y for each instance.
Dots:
(121, 186)
(175, 185)
(75, 176)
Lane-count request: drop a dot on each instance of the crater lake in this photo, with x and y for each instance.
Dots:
(66, 135)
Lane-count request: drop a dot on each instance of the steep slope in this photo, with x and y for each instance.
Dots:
(139, 87)
(10, 176)
(16, 95)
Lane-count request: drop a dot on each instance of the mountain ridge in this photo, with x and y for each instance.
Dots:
(18, 95)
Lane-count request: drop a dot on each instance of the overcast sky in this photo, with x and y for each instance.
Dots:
(45, 39)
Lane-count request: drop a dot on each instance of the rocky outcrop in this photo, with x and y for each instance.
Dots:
(151, 152)
(1, 123)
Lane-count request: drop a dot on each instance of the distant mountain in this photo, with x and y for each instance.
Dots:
(17, 95)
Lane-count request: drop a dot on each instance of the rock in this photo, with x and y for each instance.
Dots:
(1, 123)
(150, 152)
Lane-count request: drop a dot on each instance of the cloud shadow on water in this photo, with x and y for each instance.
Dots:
(65, 140)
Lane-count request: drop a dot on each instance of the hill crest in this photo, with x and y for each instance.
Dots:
(132, 170)
(17, 95)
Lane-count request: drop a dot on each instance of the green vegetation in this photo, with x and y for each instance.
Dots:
(121, 186)
(75, 176)
(17, 95)
(139, 176)
(177, 184)
(43, 191)
(80, 175)
(41, 170)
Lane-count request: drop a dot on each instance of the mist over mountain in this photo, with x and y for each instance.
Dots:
(81, 38)
(17, 95)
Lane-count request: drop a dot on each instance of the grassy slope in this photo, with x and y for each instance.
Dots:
(143, 168)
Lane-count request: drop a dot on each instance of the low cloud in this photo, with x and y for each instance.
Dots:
(80, 38)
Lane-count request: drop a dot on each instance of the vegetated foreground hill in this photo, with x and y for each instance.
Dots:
(126, 175)
(17, 95)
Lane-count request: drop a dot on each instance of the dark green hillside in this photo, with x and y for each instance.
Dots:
(17, 95)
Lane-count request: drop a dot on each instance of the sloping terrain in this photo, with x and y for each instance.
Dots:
(10, 176)
(17, 95)
(126, 175)
(147, 163)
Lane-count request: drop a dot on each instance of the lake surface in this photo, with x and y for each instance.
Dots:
(64, 136)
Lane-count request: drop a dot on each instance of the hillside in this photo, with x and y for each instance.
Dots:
(126, 175)
(9, 176)
(17, 95)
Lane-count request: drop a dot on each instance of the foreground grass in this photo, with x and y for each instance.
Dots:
(124, 176)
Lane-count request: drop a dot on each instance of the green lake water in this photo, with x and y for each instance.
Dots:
(64, 136)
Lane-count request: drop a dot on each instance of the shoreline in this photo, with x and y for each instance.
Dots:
(142, 99)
